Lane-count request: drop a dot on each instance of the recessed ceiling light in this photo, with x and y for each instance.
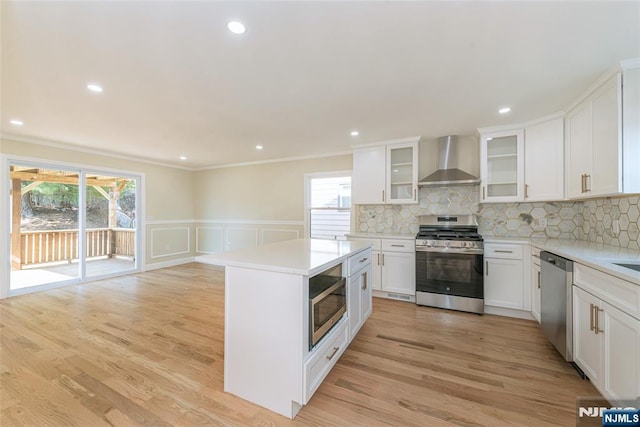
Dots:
(504, 110)
(236, 27)
(183, 158)
(259, 147)
(355, 133)
(16, 122)
(94, 88)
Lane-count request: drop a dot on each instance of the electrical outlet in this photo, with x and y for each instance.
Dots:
(542, 222)
(616, 228)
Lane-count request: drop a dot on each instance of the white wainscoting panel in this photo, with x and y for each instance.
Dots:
(240, 238)
(166, 242)
(209, 239)
(273, 235)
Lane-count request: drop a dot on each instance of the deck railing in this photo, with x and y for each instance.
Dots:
(38, 247)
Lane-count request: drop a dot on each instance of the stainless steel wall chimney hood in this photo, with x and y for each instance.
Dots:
(448, 173)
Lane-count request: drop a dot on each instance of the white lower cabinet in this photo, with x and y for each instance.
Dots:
(535, 283)
(359, 296)
(587, 345)
(398, 272)
(393, 267)
(606, 338)
(505, 282)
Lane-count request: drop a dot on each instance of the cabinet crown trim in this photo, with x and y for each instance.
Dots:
(388, 142)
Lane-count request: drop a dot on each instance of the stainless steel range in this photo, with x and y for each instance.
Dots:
(449, 263)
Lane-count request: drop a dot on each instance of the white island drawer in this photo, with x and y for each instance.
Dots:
(359, 261)
(324, 357)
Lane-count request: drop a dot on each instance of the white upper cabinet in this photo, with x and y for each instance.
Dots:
(386, 172)
(368, 180)
(603, 138)
(524, 162)
(544, 160)
(402, 173)
(502, 166)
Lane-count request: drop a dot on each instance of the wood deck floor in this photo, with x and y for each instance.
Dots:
(147, 349)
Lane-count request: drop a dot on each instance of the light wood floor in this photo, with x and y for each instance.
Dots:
(147, 349)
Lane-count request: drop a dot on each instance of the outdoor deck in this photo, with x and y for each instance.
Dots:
(38, 275)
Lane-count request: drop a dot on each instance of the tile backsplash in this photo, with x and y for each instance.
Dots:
(591, 220)
(601, 215)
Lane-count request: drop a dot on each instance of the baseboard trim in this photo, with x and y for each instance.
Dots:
(508, 312)
(170, 263)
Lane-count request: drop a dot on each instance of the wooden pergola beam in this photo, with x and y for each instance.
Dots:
(30, 187)
(62, 179)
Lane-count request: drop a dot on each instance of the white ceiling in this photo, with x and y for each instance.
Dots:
(177, 82)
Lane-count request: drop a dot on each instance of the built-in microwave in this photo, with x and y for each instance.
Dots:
(327, 302)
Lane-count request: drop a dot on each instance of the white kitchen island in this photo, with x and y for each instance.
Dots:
(267, 358)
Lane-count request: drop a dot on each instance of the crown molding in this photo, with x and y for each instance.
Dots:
(279, 160)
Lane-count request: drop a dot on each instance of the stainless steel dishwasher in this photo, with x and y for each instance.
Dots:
(556, 302)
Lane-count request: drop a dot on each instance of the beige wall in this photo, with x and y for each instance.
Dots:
(168, 190)
(168, 195)
(271, 191)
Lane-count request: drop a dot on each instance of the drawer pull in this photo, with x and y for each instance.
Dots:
(397, 246)
(333, 353)
(364, 259)
(503, 252)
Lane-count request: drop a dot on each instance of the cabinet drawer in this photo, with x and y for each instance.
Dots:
(502, 251)
(375, 243)
(621, 294)
(535, 255)
(358, 262)
(389, 245)
(324, 357)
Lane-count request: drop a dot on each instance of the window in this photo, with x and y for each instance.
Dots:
(329, 205)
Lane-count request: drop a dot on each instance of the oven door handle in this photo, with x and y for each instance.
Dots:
(451, 250)
(329, 290)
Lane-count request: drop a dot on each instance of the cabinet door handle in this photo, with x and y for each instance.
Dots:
(415, 194)
(333, 353)
(383, 195)
(526, 191)
(486, 268)
(582, 183)
(364, 259)
(364, 281)
(597, 325)
(587, 183)
(538, 280)
(591, 327)
(483, 193)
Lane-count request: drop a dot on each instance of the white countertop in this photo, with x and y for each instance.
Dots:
(305, 257)
(399, 236)
(596, 255)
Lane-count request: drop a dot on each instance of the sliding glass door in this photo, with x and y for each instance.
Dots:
(68, 225)
(110, 224)
(44, 242)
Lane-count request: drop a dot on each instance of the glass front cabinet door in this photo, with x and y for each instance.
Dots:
(502, 166)
(402, 173)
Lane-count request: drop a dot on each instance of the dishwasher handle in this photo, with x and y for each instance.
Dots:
(557, 261)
